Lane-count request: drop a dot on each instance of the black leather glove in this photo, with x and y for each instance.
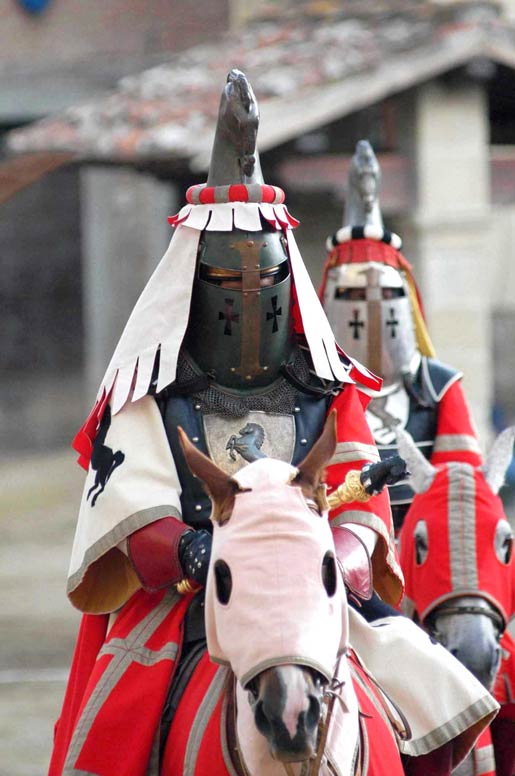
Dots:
(374, 476)
(194, 555)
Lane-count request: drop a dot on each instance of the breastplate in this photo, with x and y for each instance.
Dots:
(287, 436)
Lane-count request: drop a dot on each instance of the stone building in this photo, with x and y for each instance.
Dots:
(428, 82)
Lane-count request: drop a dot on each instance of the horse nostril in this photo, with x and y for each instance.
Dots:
(261, 720)
(313, 712)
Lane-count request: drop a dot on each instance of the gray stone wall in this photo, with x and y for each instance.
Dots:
(40, 307)
(40, 314)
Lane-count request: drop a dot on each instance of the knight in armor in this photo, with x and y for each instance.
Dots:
(228, 341)
(373, 305)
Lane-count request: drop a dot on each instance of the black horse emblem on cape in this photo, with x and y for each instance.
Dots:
(103, 460)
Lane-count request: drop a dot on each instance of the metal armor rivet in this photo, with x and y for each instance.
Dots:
(248, 377)
(265, 244)
(296, 409)
(245, 267)
(194, 439)
(250, 243)
(257, 266)
(245, 293)
(265, 369)
(232, 369)
(197, 406)
(258, 293)
(198, 507)
(303, 441)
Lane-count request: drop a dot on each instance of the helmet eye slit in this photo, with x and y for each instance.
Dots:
(233, 278)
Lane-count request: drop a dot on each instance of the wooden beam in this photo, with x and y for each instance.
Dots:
(19, 172)
(329, 172)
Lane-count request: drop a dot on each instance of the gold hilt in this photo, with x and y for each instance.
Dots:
(185, 586)
(351, 489)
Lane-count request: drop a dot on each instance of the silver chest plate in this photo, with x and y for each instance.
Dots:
(234, 442)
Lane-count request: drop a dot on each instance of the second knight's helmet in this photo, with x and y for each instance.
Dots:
(368, 292)
(239, 330)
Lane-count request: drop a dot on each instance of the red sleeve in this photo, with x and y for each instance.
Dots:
(154, 552)
(456, 438)
(355, 448)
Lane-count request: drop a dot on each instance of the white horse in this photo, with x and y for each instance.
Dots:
(276, 613)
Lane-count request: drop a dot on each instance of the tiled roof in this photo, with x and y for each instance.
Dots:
(307, 53)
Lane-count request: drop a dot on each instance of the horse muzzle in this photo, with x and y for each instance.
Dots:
(287, 706)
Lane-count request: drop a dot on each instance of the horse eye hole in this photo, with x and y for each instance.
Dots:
(503, 541)
(329, 574)
(421, 542)
(223, 580)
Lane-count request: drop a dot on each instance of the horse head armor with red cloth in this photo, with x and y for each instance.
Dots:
(456, 547)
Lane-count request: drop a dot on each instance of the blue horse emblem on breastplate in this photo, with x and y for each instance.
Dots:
(248, 444)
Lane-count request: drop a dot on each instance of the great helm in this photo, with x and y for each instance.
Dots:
(368, 292)
(239, 329)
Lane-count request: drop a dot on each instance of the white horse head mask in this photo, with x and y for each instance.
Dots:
(274, 595)
(276, 608)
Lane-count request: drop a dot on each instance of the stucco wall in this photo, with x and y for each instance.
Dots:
(71, 30)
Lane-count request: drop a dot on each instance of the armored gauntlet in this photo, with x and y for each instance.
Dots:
(374, 476)
(194, 555)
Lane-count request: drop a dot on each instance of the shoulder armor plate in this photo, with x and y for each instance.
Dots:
(438, 377)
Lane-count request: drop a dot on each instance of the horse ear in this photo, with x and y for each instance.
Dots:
(220, 487)
(312, 468)
(422, 472)
(498, 459)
